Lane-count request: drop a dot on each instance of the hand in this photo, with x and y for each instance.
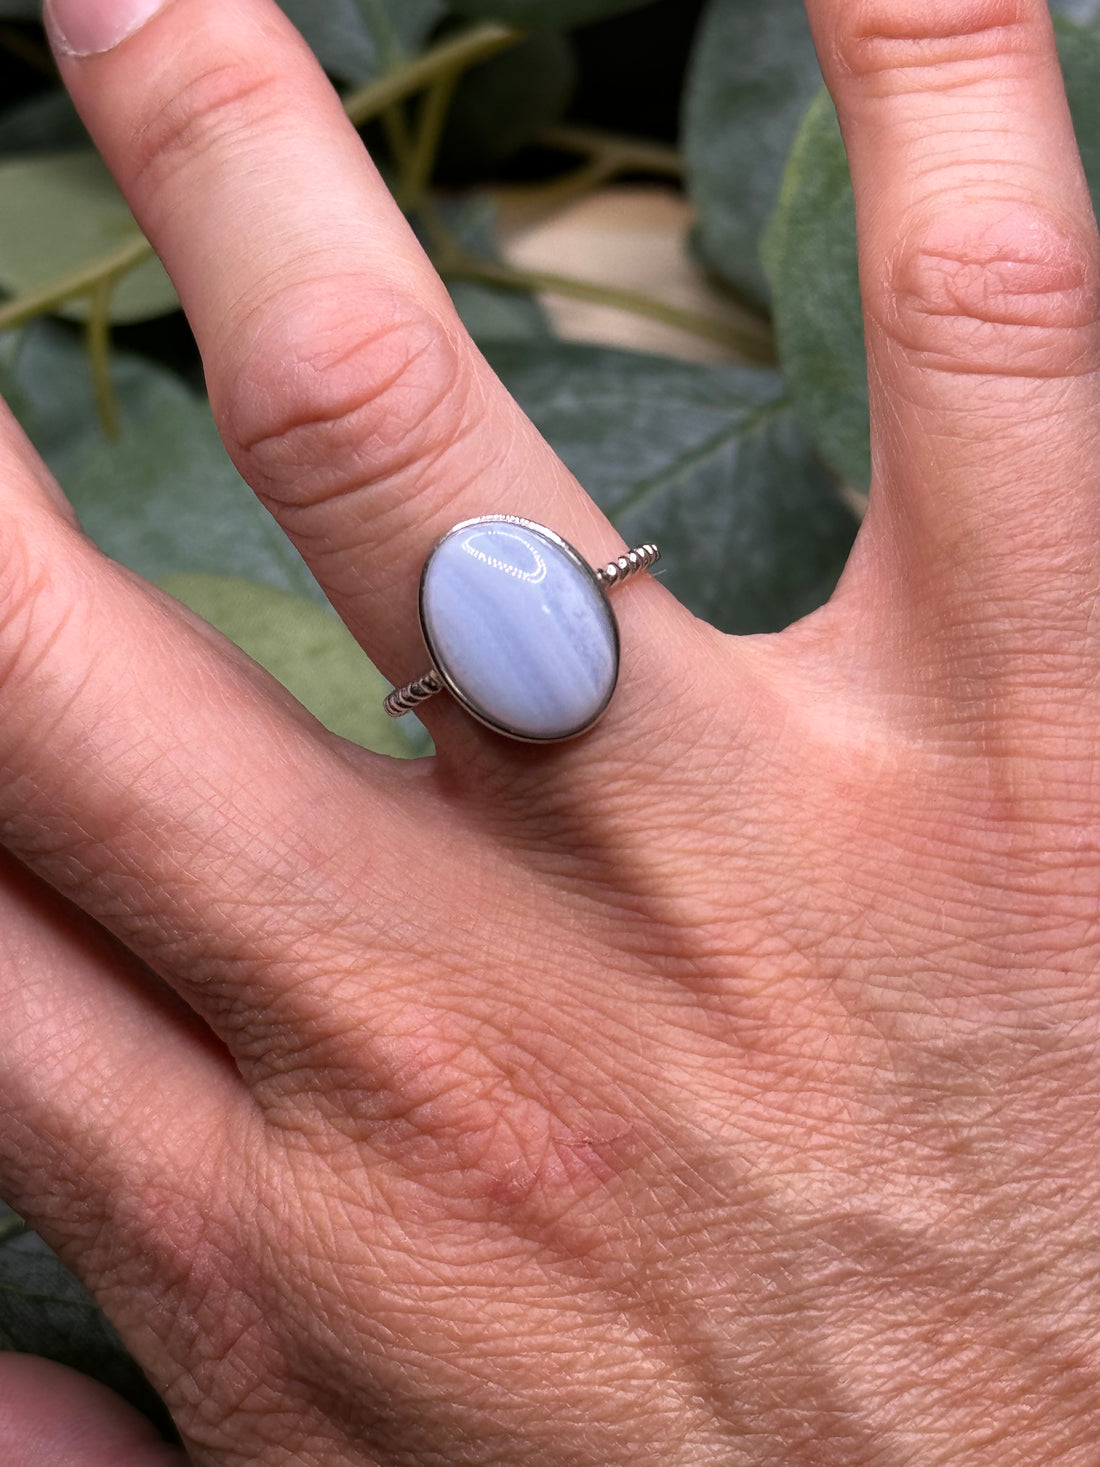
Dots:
(719, 1088)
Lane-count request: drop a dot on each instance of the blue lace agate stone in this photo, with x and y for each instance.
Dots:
(519, 628)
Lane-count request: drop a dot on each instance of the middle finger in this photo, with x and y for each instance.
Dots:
(345, 387)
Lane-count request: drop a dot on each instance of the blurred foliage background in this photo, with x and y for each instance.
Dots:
(683, 161)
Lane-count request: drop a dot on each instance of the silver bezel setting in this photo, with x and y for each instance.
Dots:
(456, 690)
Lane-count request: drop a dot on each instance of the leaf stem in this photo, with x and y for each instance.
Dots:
(453, 55)
(433, 119)
(99, 353)
(616, 153)
(82, 282)
(756, 346)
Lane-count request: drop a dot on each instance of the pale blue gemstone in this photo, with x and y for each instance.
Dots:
(520, 629)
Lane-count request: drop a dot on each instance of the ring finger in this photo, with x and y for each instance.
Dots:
(980, 272)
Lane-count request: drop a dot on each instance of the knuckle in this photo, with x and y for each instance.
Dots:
(30, 618)
(216, 104)
(339, 403)
(986, 290)
(881, 38)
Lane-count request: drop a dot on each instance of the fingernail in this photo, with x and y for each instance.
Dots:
(89, 27)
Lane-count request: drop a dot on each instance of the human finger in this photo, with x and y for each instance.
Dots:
(346, 388)
(51, 1416)
(979, 264)
(161, 781)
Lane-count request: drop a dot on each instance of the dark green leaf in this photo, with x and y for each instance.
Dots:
(504, 104)
(491, 314)
(811, 257)
(1079, 49)
(307, 649)
(552, 14)
(753, 75)
(45, 124)
(165, 498)
(357, 40)
(20, 9)
(45, 1311)
(488, 313)
(60, 212)
(709, 462)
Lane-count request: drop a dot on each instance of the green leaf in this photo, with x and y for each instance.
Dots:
(752, 76)
(810, 252)
(308, 650)
(488, 312)
(166, 501)
(45, 1311)
(812, 260)
(62, 211)
(165, 497)
(709, 462)
(1082, 12)
(357, 40)
(552, 14)
(20, 9)
(491, 314)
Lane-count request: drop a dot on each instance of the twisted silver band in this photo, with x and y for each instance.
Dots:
(633, 563)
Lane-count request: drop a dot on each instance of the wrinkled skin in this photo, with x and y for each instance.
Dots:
(720, 1088)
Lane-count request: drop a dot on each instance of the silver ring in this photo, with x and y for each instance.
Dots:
(519, 629)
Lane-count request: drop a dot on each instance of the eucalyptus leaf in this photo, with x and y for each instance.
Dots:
(164, 498)
(709, 462)
(553, 14)
(1081, 12)
(60, 212)
(488, 312)
(358, 40)
(308, 650)
(810, 251)
(492, 314)
(45, 1311)
(811, 256)
(752, 76)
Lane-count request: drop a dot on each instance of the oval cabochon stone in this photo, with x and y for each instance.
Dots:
(520, 629)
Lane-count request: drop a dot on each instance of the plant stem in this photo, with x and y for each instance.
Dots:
(99, 353)
(433, 119)
(82, 282)
(617, 154)
(756, 346)
(454, 55)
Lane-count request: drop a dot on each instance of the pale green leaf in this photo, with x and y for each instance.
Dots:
(60, 212)
(307, 649)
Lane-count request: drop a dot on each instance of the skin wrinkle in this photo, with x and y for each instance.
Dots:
(737, 1061)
